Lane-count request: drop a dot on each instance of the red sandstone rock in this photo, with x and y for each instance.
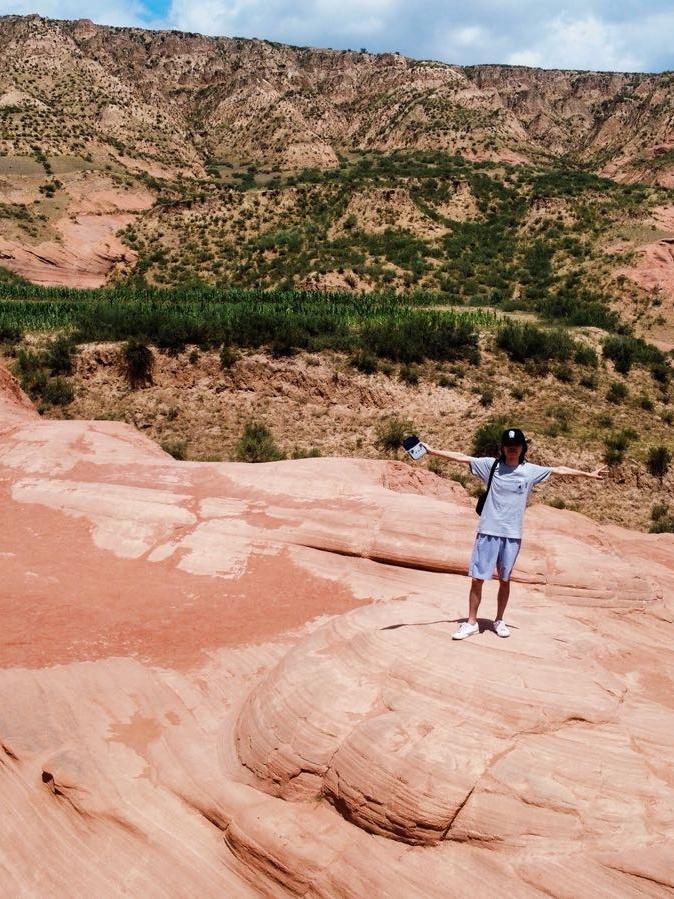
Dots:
(227, 679)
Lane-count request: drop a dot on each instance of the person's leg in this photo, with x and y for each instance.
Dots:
(502, 599)
(506, 562)
(474, 599)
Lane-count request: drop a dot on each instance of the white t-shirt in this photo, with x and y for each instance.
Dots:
(503, 512)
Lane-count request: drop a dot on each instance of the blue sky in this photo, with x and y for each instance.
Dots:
(596, 34)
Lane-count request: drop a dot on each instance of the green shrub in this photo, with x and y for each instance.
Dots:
(663, 524)
(556, 503)
(626, 351)
(228, 356)
(658, 461)
(661, 372)
(645, 402)
(390, 433)
(517, 393)
(10, 333)
(59, 355)
(416, 336)
(621, 351)
(585, 355)
(617, 392)
(659, 510)
(523, 341)
(257, 444)
(175, 448)
(486, 396)
(365, 362)
(301, 453)
(58, 392)
(561, 416)
(616, 444)
(487, 437)
(285, 345)
(193, 357)
(409, 374)
(564, 373)
(589, 382)
(138, 363)
(30, 373)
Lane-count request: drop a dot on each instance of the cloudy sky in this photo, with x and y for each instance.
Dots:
(617, 35)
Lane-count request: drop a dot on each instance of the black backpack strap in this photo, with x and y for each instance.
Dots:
(479, 506)
(491, 476)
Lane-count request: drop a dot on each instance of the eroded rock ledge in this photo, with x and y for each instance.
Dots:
(239, 680)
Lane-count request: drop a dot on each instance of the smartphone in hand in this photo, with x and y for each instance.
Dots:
(414, 447)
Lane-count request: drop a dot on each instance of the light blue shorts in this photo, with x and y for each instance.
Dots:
(491, 552)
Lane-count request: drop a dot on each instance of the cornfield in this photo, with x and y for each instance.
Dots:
(400, 328)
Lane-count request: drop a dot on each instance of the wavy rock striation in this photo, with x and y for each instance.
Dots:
(239, 680)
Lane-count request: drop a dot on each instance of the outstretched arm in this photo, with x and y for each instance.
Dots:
(446, 454)
(598, 473)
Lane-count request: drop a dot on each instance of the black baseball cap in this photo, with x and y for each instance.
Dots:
(512, 437)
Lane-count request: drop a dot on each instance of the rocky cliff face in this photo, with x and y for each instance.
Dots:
(180, 99)
(240, 678)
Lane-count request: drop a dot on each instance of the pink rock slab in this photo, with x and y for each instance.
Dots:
(227, 679)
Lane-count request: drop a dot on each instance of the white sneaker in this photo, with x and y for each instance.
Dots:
(466, 630)
(501, 629)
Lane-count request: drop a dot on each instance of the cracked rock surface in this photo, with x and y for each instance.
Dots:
(226, 679)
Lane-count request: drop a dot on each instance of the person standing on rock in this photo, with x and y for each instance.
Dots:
(499, 531)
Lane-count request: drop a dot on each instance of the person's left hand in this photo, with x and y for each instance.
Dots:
(598, 473)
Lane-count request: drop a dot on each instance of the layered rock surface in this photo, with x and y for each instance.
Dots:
(220, 678)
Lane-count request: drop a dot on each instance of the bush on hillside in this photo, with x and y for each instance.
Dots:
(409, 375)
(585, 355)
(625, 351)
(487, 438)
(257, 444)
(421, 335)
(616, 444)
(390, 433)
(58, 392)
(10, 333)
(138, 363)
(523, 342)
(617, 392)
(228, 357)
(175, 448)
(59, 355)
(662, 521)
(621, 351)
(365, 362)
(658, 461)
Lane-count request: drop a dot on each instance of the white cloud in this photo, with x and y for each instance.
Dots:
(586, 43)
(317, 22)
(470, 36)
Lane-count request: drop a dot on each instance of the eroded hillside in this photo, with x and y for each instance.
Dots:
(182, 99)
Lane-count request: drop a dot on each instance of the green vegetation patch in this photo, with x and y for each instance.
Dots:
(384, 325)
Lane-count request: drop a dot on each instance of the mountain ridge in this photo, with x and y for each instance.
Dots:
(253, 98)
